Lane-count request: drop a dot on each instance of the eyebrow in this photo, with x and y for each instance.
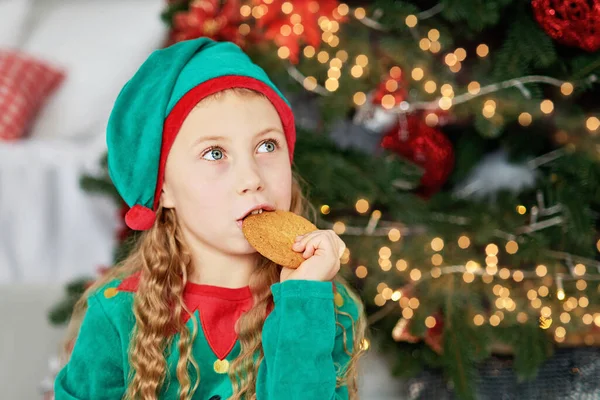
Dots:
(223, 138)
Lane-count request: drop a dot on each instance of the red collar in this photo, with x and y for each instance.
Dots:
(219, 310)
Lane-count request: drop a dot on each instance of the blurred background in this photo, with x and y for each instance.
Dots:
(453, 144)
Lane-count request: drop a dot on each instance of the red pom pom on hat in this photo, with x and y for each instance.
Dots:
(140, 218)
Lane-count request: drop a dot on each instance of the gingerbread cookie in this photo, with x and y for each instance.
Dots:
(272, 234)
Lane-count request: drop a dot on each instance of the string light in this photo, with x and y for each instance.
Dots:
(461, 54)
(361, 271)
(362, 206)
(430, 322)
(541, 270)
(425, 44)
(325, 209)
(579, 269)
(394, 235)
(592, 123)
(310, 83)
(437, 259)
(560, 293)
(417, 74)
(474, 87)
(447, 90)
(464, 242)
(379, 300)
(435, 47)
(332, 84)
(494, 320)
(583, 302)
(430, 87)
(437, 244)
(356, 71)
(309, 51)
(245, 10)
(401, 265)
(547, 106)
(360, 13)
(504, 273)
(433, 35)
(518, 276)
(511, 247)
(565, 317)
(581, 284)
(408, 313)
(283, 52)
(587, 319)
(525, 119)
(435, 272)
(411, 21)
(478, 320)
(385, 252)
(445, 103)
(482, 50)
(342, 55)
(359, 98)
(431, 119)
(343, 9)
(566, 88)
(244, 29)
(522, 317)
(388, 101)
(415, 274)
(339, 227)
(323, 56)
(396, 295)
(362, 60)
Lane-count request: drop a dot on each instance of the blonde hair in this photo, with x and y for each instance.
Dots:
(164, 261)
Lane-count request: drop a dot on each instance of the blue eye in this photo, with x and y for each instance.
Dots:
(270, 144)
(215, 152)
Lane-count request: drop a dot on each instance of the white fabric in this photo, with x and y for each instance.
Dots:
(50, 229)
(13, 17)
(100, 44)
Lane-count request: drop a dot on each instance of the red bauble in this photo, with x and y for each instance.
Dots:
(570, 22)
(208, 18)
(424, 146)
(292, 22)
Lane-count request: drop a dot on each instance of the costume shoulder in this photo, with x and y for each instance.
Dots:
(116, 298)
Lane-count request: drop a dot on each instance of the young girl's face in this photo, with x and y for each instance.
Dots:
(229, 156)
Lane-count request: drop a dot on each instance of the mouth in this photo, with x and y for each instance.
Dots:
(259, 209)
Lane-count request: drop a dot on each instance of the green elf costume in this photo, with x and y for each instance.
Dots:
(302, 337)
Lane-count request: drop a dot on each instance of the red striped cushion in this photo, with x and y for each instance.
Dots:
(25, 84)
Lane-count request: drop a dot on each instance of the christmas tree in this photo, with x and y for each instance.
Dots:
(455, 147)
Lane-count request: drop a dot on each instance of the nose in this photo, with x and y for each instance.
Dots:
(249, 178)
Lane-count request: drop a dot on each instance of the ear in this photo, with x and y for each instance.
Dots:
(166, 196)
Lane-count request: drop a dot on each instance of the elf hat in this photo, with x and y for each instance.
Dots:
(152, 106)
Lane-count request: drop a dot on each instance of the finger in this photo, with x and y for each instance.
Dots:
(300, 245)
(318, 242)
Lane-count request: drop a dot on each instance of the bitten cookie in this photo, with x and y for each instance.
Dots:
(272, 234)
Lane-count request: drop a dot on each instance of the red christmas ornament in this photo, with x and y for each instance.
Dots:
(291, 23)
(434, 337)
(208, 18)
(394, 87)
(424, 146)
(570, 22)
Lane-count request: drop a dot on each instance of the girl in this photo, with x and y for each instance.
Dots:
(198, 139)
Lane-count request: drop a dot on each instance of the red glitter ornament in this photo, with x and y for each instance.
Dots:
(424, 146)
(211, 19)
(291, 23)
(570, 22)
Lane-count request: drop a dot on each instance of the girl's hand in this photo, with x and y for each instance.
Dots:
(322, 250)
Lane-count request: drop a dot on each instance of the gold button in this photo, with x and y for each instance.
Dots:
(110, 292)
(338, 299)
(221, 366)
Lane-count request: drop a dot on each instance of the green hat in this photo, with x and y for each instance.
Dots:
(152, 106)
